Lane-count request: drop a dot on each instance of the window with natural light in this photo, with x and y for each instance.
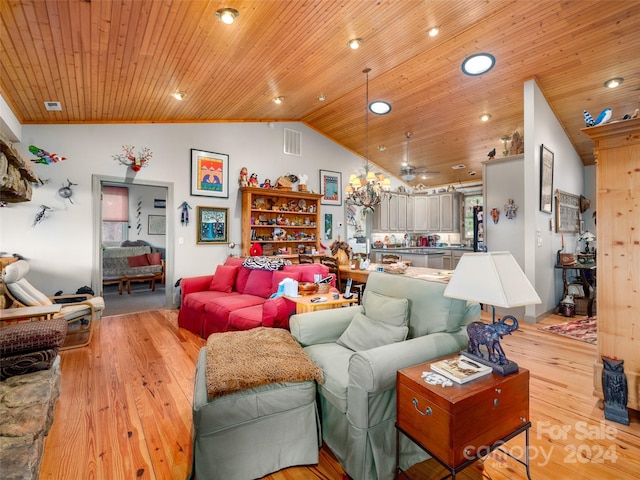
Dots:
(115, 215)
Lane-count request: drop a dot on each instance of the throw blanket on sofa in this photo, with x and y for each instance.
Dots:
(260, 356)
(265, 263)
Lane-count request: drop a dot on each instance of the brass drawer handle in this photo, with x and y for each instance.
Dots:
(428, 411)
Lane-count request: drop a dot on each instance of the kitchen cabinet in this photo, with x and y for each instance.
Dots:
(402, 213)
(433, 213)
(380, 220)
(420, 213)
(451, 258)
(391, 214)
(450, 212)
(410, 213)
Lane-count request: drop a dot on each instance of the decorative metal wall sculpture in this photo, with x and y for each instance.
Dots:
(130, 160)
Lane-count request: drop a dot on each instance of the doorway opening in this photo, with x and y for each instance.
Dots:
(142, 226)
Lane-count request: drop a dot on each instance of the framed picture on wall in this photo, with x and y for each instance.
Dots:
(213, 225)
(328, 226)
(567, 212)
(331, 187)
(157, 225)
(209, 174)
(546, 179)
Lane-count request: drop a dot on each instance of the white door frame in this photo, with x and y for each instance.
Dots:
(96, 194)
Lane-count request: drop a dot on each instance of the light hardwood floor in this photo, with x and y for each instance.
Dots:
(125, 411)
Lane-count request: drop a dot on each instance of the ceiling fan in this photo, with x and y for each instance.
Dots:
(408, 172)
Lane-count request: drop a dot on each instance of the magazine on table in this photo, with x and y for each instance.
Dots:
(460, 369)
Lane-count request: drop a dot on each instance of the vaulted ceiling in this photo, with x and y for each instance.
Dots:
(118, 61)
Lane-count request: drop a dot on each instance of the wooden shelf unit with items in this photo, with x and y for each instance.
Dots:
(279, 221)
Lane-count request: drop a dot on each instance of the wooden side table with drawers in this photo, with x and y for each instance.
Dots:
(457, 425)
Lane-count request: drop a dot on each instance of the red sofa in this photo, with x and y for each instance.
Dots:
(237, 297)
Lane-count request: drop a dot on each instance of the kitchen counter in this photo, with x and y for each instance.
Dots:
(421, 250)
(430, 257)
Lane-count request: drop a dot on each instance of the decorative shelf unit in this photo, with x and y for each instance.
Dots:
(267, 213)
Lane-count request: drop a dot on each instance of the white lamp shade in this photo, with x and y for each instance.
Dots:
(493, 278)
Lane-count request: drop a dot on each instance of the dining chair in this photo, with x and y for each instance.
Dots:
(302, 258)
(332, 264)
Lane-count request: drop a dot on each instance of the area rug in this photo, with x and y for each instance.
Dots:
(585, 330)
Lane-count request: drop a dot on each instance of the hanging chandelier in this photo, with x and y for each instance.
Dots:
(367, 189)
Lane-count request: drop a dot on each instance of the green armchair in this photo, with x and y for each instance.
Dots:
(358, 399)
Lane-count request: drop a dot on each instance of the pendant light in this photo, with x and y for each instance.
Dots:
(367, 189)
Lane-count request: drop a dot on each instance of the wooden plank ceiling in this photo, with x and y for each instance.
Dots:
(118, 61)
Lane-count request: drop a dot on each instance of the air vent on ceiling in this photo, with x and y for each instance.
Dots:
(292, 142)
(459, 167)
(53, 106)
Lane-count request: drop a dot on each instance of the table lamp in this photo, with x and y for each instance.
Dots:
(496, 279)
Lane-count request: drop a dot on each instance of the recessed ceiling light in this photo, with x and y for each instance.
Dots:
(178, 95)
(472, 173)
(380, 107)
(382, 148)
(478, 64)
(322, 97)
(614, 82)
(355, 43)
(278, 100)
(434, 31)
(485, 117)
(227, 15)
(459, 166)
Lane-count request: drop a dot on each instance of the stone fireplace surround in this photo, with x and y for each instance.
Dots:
(27, 403)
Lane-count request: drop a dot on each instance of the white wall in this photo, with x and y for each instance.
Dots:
(504, 180)
(541, 127)
(60, 249)
(146, 196)
(10, 128)
(590, 193)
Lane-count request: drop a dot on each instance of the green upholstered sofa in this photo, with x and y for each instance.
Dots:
(358, 399)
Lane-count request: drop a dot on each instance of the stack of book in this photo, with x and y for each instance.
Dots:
(460, 369)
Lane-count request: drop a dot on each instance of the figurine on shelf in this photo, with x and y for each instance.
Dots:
(604, 117)
(253, 180)
(266, 184)
(302, 185)
(243, 179)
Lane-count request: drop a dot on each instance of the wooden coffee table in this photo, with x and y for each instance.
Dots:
(304, 303)
(148, 277)
(115, 281)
